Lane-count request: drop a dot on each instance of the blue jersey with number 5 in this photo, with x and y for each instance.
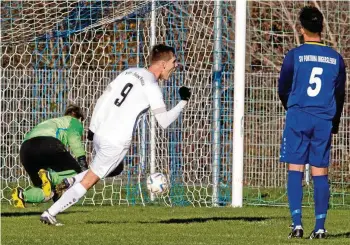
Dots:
(312, 79)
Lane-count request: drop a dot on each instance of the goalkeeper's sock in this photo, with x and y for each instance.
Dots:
(295, 195)
(33, 195)
(69, 198)
(321, 198)
(57, 177)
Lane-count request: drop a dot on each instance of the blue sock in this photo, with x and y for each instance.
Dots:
(321, 198)
(295, 195)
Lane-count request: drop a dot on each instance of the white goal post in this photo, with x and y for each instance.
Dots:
(239, 88)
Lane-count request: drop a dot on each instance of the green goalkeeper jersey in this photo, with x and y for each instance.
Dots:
(67, 129)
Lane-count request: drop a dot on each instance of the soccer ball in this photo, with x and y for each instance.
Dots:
(157, 183)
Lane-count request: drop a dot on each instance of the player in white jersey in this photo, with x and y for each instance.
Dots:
(114, 118)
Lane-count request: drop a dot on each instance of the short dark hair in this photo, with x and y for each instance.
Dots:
(161, 52)
(74, 111)
(311, 19)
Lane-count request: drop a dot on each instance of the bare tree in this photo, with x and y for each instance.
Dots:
(274, 29)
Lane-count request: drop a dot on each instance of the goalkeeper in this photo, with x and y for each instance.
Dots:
(46, 159)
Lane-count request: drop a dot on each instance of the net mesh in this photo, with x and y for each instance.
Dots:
(57, 52)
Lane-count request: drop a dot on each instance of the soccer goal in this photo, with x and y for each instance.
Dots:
(57, 52)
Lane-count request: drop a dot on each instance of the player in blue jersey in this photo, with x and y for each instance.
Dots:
(312, 90)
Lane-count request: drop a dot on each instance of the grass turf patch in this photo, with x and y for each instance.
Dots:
(164, 225)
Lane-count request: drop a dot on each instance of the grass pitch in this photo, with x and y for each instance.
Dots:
(164, 225)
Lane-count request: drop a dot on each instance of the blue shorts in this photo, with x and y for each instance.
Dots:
(306, 139)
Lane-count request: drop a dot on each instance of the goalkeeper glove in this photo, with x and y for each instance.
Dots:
(82, 163)
(185, 93)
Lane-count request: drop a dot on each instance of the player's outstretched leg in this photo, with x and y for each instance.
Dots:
(68, 182)
(46, 182)
(70, 197)
(63, 186)
(47, 218)
(18, 198)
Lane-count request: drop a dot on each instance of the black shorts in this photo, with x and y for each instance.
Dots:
(43, 153)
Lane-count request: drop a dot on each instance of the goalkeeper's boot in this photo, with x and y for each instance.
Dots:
(47, 218)
(46, 183)
(18, 198)
(297, 232)
(64, 185)
(320, 234)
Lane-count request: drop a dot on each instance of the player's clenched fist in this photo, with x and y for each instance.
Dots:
(185, 93)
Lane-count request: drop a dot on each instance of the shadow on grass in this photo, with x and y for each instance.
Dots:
(32, 213)
(339, 235)
(105, 222)
(202, 220)
(184, 221)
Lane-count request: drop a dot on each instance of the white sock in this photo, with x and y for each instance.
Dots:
(77, 178)
(69, 198)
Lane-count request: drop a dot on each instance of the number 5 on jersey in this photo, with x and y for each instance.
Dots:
(125, 91)
(312, 92)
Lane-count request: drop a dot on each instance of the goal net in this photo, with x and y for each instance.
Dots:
(57, 52)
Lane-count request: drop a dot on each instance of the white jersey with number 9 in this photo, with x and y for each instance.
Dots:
(125, 99)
